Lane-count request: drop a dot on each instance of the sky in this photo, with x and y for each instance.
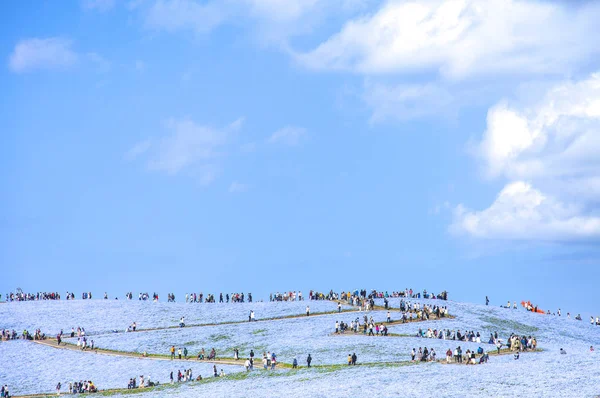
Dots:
(271, 145)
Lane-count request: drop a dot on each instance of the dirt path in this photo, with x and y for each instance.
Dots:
(197, 325)
(72, 347)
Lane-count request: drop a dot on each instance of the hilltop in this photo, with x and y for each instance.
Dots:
(384, 363)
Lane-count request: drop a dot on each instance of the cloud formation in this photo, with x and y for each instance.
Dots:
(187, 146)
(523, 212)
(272, 20)
(549, 151)
(36, 53)
(461, 38)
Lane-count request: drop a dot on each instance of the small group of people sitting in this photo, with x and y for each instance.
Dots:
(211, 356)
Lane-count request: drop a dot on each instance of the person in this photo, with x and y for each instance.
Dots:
(514, 305)
(215, 374)
(562, 351)
(179, 352)
(307, 310)
(389, 318)
(265, 362)
(182, 322)
(236, 354)
(295, 363)
(222, 373)
(308, 360)
(172, 352)
(349, 359)
(58, 387)
(185, 352)
(517, 355)
(487, 300)
(354, 358)
(448, 355)
(247, 364)
(171, 377)
(591, 348)
(498, 346)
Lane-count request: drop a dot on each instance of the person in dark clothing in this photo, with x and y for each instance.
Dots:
(308, 360)
(487, 300)
(354, 358)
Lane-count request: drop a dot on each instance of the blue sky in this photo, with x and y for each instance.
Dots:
(263, 145)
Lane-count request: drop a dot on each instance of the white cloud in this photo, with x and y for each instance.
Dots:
(553, 144)
(98, 5)
(459, 38)
(50, 53)
(188, 146)
(237, 187)
(288, 135)
(557, 137)
(274, 21)
(521, 212)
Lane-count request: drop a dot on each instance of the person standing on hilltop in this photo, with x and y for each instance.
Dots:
(487, 300)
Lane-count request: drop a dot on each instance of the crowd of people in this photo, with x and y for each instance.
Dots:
(78, 387)
(210, 298)
(20, 296)
(448, 334)
(286, 296)
(9, 334)
(25, 335)
(469, 357)
(4, 393)
(368, 327)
